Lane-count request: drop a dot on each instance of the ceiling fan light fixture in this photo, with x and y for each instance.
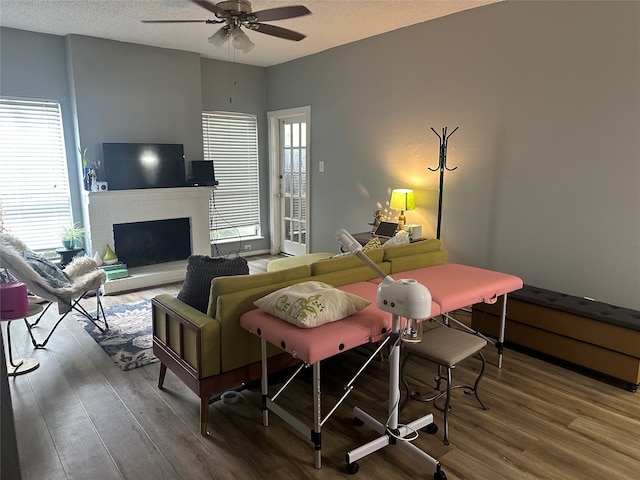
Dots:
(241, 41)
(236, 13)
(220, 37)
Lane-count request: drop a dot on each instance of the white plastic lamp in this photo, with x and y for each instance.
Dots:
(402, 298)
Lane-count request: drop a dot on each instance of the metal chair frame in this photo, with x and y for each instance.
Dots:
(74, 306)
(447, 378)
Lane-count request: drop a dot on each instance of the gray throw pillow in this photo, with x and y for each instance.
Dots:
(201, 269)
(47, 270)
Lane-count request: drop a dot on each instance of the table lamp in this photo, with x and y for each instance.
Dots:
(402, 199)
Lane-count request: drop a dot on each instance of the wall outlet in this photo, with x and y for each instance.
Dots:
(247, 247)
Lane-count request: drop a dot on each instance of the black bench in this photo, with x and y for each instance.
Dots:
(598, 336)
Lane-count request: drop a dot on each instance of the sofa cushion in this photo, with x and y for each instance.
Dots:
(352, 275)
(420, 260)
(226, 286)
(422, 246)
(201, 269)
(344, 263)
(297, 260)
(309, 304)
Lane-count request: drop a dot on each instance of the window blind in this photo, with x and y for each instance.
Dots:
(34, 184)
(231, 142)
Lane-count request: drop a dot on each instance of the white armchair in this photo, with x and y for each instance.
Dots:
(64, 287)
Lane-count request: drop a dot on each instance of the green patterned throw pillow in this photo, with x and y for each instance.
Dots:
(309, 304)
(372, 244)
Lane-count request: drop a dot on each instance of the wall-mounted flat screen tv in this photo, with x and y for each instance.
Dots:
(129, 166)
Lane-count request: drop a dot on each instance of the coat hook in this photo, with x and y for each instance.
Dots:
(442, 166)
(444, 142)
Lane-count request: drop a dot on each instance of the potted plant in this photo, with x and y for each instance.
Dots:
(72, 235)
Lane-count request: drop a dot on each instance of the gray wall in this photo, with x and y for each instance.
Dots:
(230, 87)
(547, 98)
(133, 93)
(121, 92)
(546, 95)
(32, 65)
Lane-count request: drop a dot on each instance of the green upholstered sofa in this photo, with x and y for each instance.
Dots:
(211, 352)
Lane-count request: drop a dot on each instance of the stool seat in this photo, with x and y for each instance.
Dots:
(446, 346)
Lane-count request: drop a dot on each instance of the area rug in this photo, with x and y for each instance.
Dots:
(128, 342)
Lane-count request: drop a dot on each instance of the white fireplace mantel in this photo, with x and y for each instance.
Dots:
(104, 209)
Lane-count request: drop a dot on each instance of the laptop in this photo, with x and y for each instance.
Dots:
(386, 230)
(203, 173)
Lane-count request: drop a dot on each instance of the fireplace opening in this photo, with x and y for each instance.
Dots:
(148, 243)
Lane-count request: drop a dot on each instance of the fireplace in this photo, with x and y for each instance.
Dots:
(138, 244)
(108, 208)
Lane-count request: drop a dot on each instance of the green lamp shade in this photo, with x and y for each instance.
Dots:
(402, 199)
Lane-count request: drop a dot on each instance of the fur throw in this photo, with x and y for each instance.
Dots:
(11, 241)
(83, 273)
(79, 266)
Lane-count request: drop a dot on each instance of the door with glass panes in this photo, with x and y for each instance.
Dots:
(293, 185)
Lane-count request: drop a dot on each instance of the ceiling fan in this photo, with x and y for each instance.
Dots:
(234, 14)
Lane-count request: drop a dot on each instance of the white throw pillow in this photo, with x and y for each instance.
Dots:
(310, 304)
(400, 238)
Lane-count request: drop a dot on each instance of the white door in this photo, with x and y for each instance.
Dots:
(289, 134)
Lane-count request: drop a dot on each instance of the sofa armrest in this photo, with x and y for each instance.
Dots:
(186, 335)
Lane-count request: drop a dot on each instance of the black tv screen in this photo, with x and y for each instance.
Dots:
(129, 166)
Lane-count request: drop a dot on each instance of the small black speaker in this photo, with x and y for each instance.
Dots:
(203, 173)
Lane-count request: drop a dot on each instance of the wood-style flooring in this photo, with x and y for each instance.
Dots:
(78, 416)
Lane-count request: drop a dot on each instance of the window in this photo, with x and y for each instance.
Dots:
(231, 142)
(34, 184)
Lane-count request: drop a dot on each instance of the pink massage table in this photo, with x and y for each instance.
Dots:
(452, 286)
(312, 345)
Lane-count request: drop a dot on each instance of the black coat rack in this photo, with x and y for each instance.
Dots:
(442, 166)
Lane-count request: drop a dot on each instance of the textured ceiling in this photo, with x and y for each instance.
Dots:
(332, 23)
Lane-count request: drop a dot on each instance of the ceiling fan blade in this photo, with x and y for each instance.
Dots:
(210, 6)
(280, 13)
(177, 21)
(277, 31)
